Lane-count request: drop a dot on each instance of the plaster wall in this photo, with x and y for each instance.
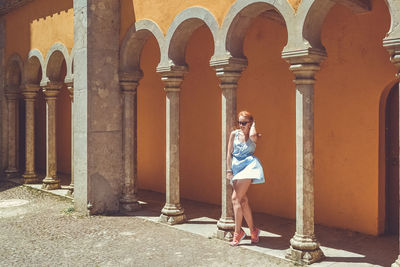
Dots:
(39, 24)
(347, 97)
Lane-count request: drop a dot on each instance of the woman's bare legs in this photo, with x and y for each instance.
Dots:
(240, 204)
(246, 210)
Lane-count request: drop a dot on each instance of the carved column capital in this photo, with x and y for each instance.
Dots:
(393, 47)
(30, 91)
(173, 78)
(229, 70)
(129, 81)
(11, 92)
(304, 64)
(52, 89)
(70, 87)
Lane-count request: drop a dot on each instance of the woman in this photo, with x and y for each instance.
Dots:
(243, 169)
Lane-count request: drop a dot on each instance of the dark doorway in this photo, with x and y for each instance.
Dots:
(392, 161)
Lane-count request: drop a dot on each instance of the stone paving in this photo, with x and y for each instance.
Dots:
(44, 230)
(40, 229)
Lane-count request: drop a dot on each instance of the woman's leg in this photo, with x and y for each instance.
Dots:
(240, 188)
(246, 210)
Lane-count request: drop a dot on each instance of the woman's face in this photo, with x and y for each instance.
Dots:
(244, 124)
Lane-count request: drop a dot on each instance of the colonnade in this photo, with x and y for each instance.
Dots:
(29, 93)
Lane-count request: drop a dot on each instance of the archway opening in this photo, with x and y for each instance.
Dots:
(392, 161)
(63, 130)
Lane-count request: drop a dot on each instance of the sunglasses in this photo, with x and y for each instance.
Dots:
(243, 123)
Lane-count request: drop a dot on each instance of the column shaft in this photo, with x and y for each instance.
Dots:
(11, 96)
(30, 175)
(228, 71)
(51, 180)
(129, 82)
(172, 212)
(304, 245)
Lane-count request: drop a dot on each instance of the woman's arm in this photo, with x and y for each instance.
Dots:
(253, 133)
(229, 173)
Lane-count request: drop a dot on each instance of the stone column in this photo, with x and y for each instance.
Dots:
(51, 180)
(304, 245)
(129, 83)
(12, 95)
(70, 86)
(393, 47)
(229, 72)
(30, 92)
(172, 213)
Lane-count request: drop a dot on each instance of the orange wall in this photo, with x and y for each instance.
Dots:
(39, 24)
(151, 121)
(347, 97)
(163, 12)
(200, 125)
(266, 90)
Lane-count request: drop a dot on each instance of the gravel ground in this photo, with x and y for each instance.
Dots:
(44, 230)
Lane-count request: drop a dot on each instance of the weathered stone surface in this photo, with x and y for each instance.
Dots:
(29, 94)
(98, 164)
(172, 211)
(229, 72)
(51, 180)
(129, 83)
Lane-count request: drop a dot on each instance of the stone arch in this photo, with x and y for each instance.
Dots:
(311, 16)
(182, 28)
(34, 67)
(14, 72)
(232, 33)
(54, 59)
(134, 41)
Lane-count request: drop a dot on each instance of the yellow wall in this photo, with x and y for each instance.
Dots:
(151, 122)
(39, 24)
(347, 97)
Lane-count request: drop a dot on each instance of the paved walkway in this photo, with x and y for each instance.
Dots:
(43, 230)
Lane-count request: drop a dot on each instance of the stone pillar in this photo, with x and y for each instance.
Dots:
(304, 245)
(30, 92)
(51, 180)
(11, 96)
(129, 83)
(393, 47)
(70, 86)
(98, 163)
(229, 72)
(172, 212)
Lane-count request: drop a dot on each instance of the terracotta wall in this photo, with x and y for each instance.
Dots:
(347, 98)
(39, 24)
(151, 122)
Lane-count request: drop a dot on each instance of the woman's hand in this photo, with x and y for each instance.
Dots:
(229, 176)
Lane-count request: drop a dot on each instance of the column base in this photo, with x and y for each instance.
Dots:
(50, 183)
(171, 220)
(172, 214)
(225, 230)
(11, 173)
(129, 204)
(397, 262)
(30, 178)
(304, 249)
(70, 192)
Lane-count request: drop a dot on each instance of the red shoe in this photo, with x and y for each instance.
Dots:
(255, 235)
(237, 238)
